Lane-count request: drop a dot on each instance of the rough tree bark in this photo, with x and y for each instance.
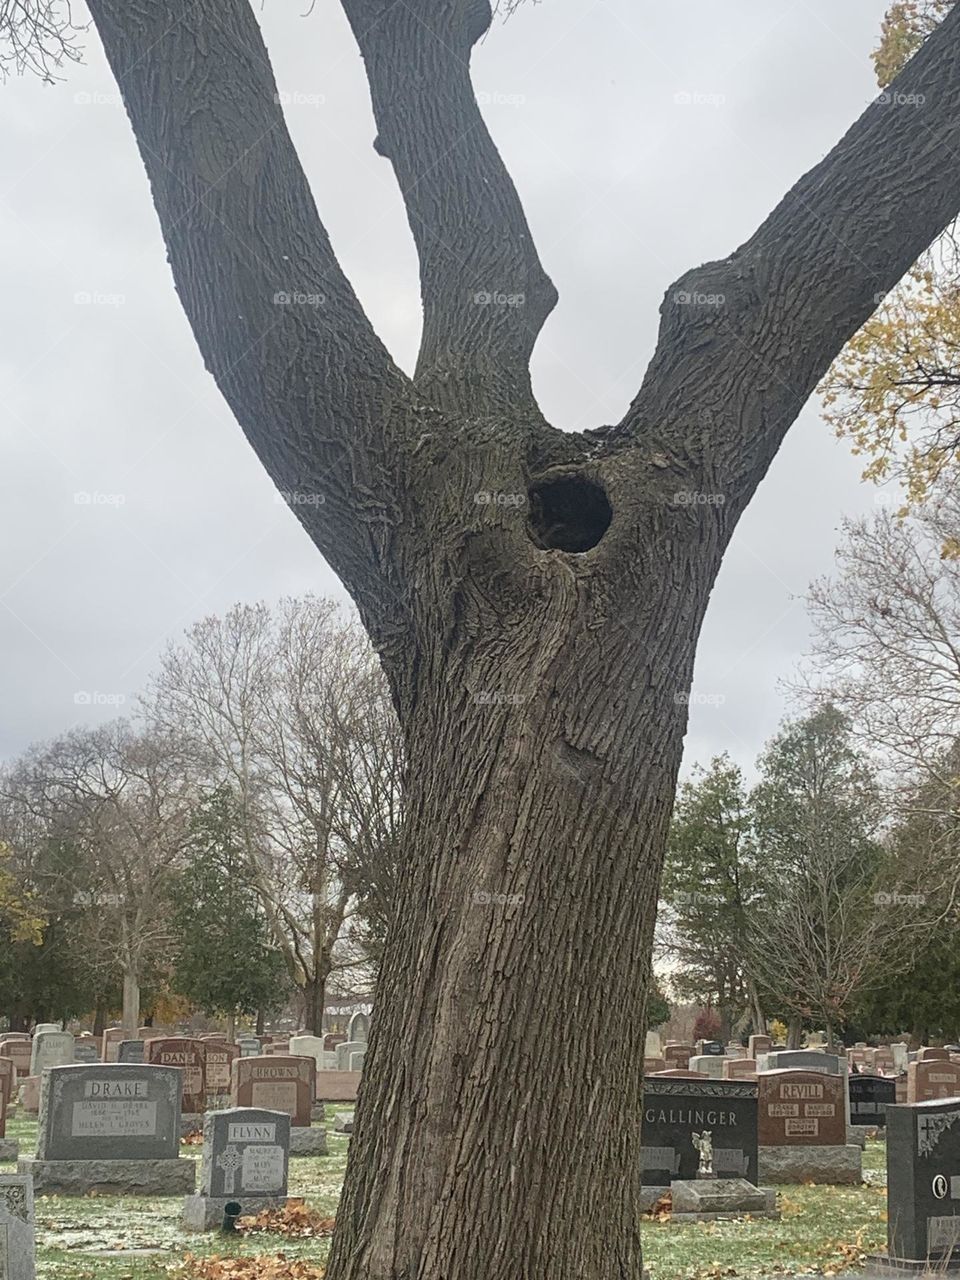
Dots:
(540, 644)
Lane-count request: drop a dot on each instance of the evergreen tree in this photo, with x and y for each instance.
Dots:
(224, 962)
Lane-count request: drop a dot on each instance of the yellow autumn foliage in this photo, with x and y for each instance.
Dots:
(20, 917)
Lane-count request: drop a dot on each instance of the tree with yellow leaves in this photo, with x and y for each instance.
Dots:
(20, 917)
(894, 391)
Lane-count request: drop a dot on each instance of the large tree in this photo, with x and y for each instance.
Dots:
(535, 596)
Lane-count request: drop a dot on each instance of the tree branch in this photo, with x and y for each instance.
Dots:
(485, 293)
(743, 342)
(277, 322)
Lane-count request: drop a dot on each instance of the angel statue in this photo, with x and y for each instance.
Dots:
(704, 1144)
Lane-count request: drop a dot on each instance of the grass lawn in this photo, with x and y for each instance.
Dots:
(824, 1229)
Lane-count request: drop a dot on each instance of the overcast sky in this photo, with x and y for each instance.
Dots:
(645, 138)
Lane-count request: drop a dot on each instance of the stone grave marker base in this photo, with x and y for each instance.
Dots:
(714, 1199)
(9, 1150)
(343, 1122)
(837, 1166)
(308, 1142)
(175, 1177)
(205, 1213)
(883, 1266)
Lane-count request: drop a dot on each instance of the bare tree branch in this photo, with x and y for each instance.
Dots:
(277, 322)
(743, 342)
(485, 294)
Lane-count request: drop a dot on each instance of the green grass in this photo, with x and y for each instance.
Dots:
(823, 1229)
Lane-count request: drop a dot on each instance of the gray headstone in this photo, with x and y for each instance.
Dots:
(17, 1242)
(115, 1111)
(50, 1049)
(358, 1028)
(130, 1051)
(250, 1047)
(356, 1060)
(86, 1050)
(246, 1152)
(344, 1051)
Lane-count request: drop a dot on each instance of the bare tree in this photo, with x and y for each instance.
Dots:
(537, 639)
(291, 709)
(121, 798)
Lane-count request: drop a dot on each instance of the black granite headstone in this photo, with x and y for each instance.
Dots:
(714, 1047)
(674, 1110)
(923, 1180)
(869, 1098)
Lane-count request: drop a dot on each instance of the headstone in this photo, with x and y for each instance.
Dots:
(358, 1028)
(708, 1064)
(803, 1128)
(245, 1163)
(356, 1060)
(884, 1061)
(220, 1056)
(675, 1109)
(189, 1055)
(86, 1050)
(110, 1041)
(250, 1047)
(801, 1108)
(51, 1049)
(734, 1050)
(870, 1095)
(931, 1053)
(652, 1048)
(19, 1052)
(17, 1238)
(739, 1069)
(131, 1051)
(43, 1027)
(759, 1044)
(830, 1064)
(29, 1095)
(272, 1083)
(677, 1056)
(931, 1078)
(653, 1064)
(308, 1047)
(113, 1128)
(345, 1050)
(900, 1056)
(923, 1185)
(9, 1148)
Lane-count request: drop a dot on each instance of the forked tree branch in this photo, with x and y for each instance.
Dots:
(743, 342)
(277, 322)
(485, 293)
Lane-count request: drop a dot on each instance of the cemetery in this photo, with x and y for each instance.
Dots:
(479, 778)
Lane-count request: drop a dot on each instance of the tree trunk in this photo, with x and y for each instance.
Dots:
(232, 1028)
(99, 1019)
(314, 993)
(261, 1021)
(131, 1005)
(498, 1131)
(794, 1033)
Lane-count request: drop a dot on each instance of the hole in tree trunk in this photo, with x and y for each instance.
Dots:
(568, 513)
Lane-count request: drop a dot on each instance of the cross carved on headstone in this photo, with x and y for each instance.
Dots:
(230, 1161)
